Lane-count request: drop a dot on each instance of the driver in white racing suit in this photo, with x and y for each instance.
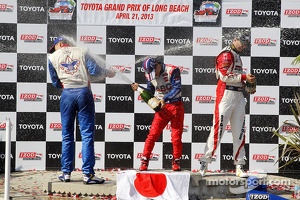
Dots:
(229, 105)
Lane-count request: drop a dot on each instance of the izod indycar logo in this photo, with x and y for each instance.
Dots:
(185, 128)
(291, 71)
(265, 42)
(30, 156)
(264, 100)
(237, 12)
(121, 68)
(228, 128)
(91, 39)
(205, 99)
(184, 70)
(289, 129)
(292, 12)
(119, 127)
(2, 126)
(259, 196)
(31, 97)
(97, 156)
(6, 67)
(149, 40)
(32, 38)
(207, 41)
(55, 126)
(153, 156)
(97, 98)
(6, 8)
(200, 155)
(263, 158)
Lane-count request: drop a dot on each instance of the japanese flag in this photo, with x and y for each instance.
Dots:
(134, 185)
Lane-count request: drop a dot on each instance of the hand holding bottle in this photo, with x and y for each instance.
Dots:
(147, 97)
(162, 103)
(134, 86)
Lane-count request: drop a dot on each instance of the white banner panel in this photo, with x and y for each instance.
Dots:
(135, 12)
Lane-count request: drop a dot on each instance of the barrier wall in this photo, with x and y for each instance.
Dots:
(185, 33)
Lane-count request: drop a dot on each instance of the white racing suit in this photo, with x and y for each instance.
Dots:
(229, 106)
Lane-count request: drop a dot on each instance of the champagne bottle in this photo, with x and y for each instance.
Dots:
(149, 98)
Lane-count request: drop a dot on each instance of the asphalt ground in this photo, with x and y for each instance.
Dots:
(27, 185)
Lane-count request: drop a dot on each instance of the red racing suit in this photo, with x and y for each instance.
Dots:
(229, 106)
(168, 87)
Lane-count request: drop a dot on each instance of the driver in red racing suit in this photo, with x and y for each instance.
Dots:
(230, 104)
(164, 81)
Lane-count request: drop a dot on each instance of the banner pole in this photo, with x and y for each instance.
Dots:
(7, 159)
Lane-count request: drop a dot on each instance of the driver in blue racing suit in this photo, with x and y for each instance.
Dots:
(71, 68)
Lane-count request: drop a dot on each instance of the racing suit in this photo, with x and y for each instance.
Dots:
(229, 106)
(69, 69)
(168, 87)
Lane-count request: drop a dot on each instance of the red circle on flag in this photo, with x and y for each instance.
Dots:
(150, 184)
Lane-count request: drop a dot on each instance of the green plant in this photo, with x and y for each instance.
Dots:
(291, 145)
(296, 61)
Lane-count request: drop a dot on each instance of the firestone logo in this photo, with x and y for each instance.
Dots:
(6, 67)
(264, 100)
(30, 156)
(32, 38)
(31, 97)
(205, 99)
(265, 42)
(207, 41)
(119, 127)
(237, 12)
(91, 39)
(149, 40)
